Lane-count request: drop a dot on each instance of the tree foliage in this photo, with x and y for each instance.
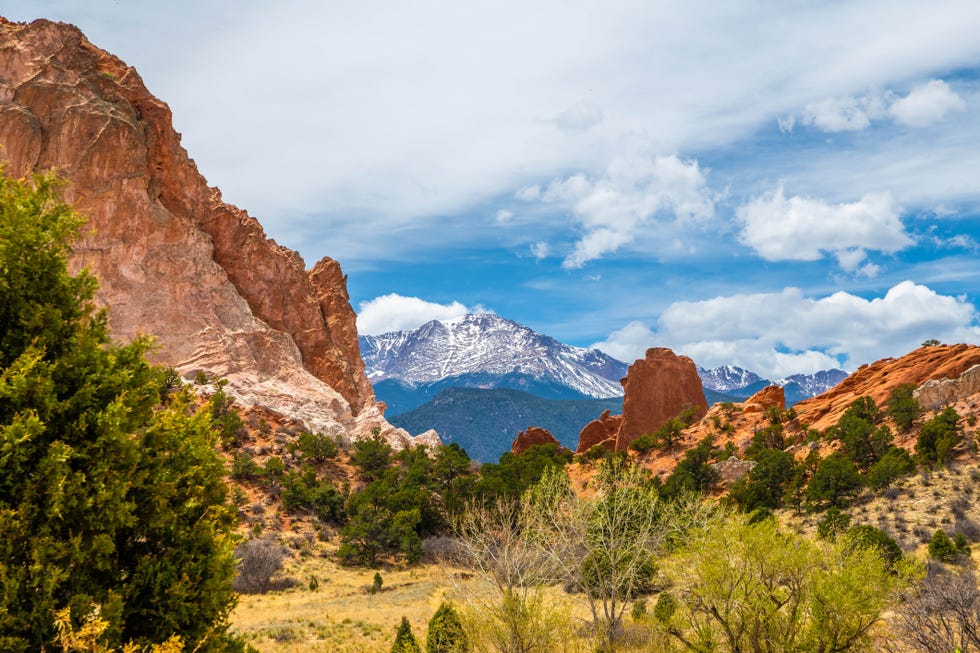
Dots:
(108, 497)
(404, 639)
(751, 587)
(903, 408)
(937, 438)
(446, 634)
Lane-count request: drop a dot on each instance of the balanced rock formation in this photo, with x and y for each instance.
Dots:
(769, 397)
(532, 436)
(878, 379)
(657, 388)
(173, 260)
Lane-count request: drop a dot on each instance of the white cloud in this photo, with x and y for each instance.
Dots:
(803, 229)
(778, 334)
(503, 215)
(395, 312)
(541, 250)
(635, 189)
(926, 104)
(841, 114)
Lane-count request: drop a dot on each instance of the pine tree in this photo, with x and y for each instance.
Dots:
(405, 640)
(111, 494)
(446, 634)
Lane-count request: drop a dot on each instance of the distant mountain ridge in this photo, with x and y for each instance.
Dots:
(486, 350)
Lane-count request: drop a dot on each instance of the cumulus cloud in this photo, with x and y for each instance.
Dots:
(778, 334)
(503, 216)
(631, 193)
(395, 312)
(926, 104)
(802, 229)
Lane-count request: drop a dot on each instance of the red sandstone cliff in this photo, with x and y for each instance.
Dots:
(657, 388)
(174, 261)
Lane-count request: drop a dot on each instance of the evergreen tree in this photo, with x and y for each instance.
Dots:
(446, 634)
(405, 640)
(903, 407)
(835, 481)
(111, 494)
(937, 437)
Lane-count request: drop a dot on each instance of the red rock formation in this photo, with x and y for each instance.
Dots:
(658, 387)
(174, 260)
(878, 379)
(768, 397)
(533, 436)
(601, 431)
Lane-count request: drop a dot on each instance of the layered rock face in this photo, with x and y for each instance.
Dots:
(534, 435)
(174, 261)
(657, 388)
(878, 379)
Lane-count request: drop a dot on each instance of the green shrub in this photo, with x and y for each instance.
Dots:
(937, 438)
(446, 634)
(942, 548)
(833, 524)
(405, 640)
(903, 408)
(895, 464)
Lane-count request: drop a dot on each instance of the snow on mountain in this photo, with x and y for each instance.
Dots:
(741, 383)
(727, 377)
(488, 344)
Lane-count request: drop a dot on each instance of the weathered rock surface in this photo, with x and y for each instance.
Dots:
(732, 469)
(657, 388)
(878, 379)
(769, 397)
(534, 435)
(935, 394)
(600, 431)
(174, 261)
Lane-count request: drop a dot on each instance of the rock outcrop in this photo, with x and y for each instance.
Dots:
(769, 397)
(601, 432)
(174, 261)
(878, 379)
(534, 435)
(935, 394)
(657, 388)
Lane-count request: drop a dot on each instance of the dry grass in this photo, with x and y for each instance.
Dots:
(340, 614)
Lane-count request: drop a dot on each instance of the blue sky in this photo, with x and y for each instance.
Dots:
(785, 186)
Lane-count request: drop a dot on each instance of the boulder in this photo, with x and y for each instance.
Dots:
(532, 436)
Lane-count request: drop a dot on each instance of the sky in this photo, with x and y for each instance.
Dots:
(786, 186)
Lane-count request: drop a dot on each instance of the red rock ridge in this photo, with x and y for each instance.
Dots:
(878, 379)
(534, 435)
(174, 260)
(657, 388)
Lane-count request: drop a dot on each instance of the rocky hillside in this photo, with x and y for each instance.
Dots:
(173, 259)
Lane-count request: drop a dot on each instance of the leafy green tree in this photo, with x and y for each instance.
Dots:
(317, 447)
(446, 634)
(903, 408)
(942, 548)
(303, 490)
(895, 464)
(937, 437)
(371, 456)
(865, 440)
(669, 434)
(107, 496)
(751, 587)
(835, 481)
(766, 484)
(694, 472)
(833, 524)
(764, 439)
(870, 537)
(404, 639)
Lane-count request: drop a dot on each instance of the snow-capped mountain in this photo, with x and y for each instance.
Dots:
(483, 347)
(727, 377)
(741, 383)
